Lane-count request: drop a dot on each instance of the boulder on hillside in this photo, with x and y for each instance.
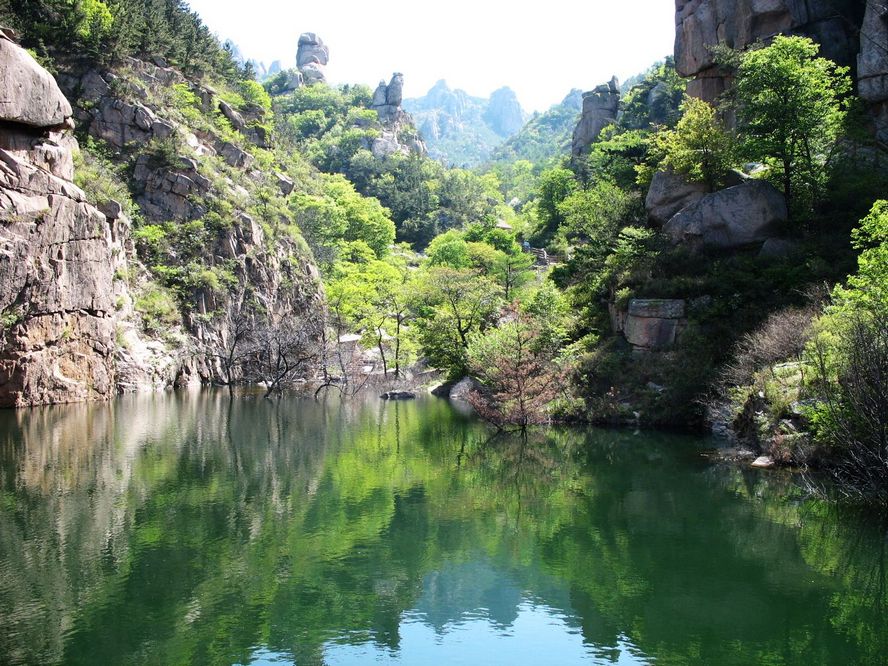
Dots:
(669, 193)
(654, 324)
(731, 218)
(30, 95)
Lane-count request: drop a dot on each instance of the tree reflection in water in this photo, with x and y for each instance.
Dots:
(205, 528)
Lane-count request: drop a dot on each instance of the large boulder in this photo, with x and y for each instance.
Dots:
(394, 94)
(311, 50)
(736, 217)
(669, 193)
(30, 96)
(600, 107)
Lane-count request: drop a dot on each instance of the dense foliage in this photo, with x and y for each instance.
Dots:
(107, 31)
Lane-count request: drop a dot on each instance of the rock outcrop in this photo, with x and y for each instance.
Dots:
(669, 193)
(701, 24)
(58, 253)
(312, 57)
(600, 108)
(732, 218)
(872, 65)
(654, 324)
(399, 133)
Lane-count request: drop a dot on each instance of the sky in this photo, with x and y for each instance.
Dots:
(541, 49)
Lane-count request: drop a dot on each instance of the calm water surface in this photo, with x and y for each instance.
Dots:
(200, 529)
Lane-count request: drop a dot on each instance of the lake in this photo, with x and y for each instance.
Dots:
(201, 528)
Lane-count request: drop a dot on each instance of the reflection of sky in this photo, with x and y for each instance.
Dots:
(475, 613)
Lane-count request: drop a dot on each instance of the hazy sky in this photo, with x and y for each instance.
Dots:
(541, 50)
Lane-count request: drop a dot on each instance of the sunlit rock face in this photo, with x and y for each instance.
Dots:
(312, 57)
(58, 253)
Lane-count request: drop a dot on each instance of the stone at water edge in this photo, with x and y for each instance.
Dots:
(763, 462)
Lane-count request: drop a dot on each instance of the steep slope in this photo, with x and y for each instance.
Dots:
(89, 308)
(461, 129)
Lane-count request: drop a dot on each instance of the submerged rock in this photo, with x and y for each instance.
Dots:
(398, 395)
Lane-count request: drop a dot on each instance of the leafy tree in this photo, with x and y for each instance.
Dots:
(365, 217)
(555, 186)
(655, 100)
(699, 146)
(452, 305)
(791, 107)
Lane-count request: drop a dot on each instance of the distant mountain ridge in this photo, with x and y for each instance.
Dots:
(462, 129)
(545, 136)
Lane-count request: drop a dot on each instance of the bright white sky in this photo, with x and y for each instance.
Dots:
(541, 49)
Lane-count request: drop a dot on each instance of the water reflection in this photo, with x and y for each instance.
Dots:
(206, 528)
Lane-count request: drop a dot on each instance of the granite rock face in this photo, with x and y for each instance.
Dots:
(30, 96)
(600, 108)
(504, 114)
(701, 24)
(58, 253)
(872, 65)
(732, 218)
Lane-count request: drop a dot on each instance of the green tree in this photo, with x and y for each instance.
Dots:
(791, 108)
(699, 146)
(555, 186)
(451, 306)
(518, 372)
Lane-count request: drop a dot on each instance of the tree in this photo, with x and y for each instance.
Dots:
(518, 373)
(555, 186)
(699, 146)
(451, 306)
(285, 348)
(791, 107)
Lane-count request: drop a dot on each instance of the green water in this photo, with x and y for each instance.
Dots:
(197, 529)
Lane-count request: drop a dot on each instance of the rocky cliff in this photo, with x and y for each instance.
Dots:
(58, 253)
(850, 32)
(79, 298)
